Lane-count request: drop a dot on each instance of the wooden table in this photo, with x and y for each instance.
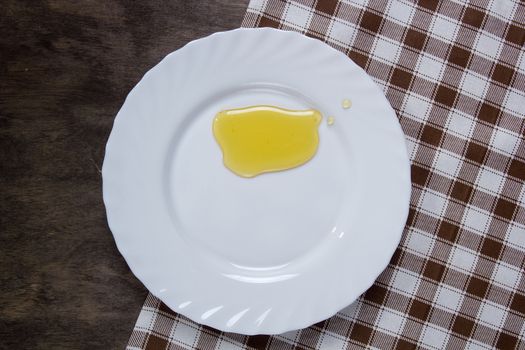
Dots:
(65, 69)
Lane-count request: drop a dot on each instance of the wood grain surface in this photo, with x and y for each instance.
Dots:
(65, 69)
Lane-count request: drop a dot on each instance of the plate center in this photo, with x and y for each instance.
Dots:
(260, 222)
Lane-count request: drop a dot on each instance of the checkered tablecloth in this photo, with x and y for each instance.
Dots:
(455, 74)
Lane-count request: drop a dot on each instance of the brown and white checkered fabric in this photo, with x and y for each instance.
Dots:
(455, 74)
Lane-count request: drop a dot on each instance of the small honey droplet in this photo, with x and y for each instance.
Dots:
(330, 120)
(347, 103)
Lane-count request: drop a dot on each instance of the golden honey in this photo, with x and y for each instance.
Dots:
(346, 103)
(260, 139)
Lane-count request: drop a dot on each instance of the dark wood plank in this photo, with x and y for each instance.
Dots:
(65, 69)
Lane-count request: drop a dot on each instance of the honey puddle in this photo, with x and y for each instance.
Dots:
(260, 139)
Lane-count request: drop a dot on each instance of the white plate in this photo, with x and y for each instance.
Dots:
(277, 252)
